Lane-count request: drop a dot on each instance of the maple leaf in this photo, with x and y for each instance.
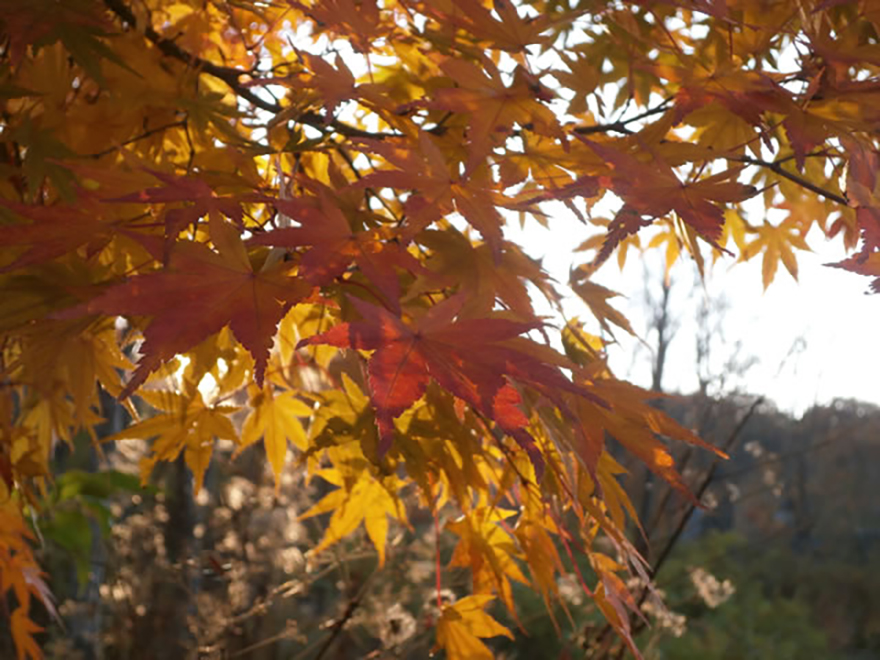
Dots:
(53, 231)
(436, 192)
(614, 600)
(863, 193)
(77, 25)
(186, 424)
(540, 553)
(464, 624)
(199, 293)
(355, 19)
(492, 107)
(596, 297)
(333, 246)
(275, 418)
(776, 244)
(464, 356)
(476, 269)
(21, 575)
(335, 83)
(863, 265)
(441, 116)
(654, 190)
(330, 84)
(489, 551)
(184, 189)
(747, 94)
(635, 424)
(510, 32)
(369, 501)
(23, 629)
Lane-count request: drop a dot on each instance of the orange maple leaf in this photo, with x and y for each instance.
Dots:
(23, 629)
(651, 190)
(463, 624)
(512, 33)
(493, 107)
(200, 292)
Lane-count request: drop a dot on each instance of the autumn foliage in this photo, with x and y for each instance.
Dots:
(284, 222)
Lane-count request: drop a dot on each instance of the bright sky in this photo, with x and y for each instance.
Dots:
(813, 340)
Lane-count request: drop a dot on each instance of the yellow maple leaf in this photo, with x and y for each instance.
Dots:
(369, 501)
(463, 624)
(489, 551)
(776, 244)
(274, 417)
(187, 425)
(596, 297)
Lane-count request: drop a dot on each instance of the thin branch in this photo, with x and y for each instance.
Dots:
(682, 523)
(143, 136)
(370, 192)
(701, 490)
(232, 78)
(339, 624)
(621, 125)
(227, 74)
(803, 183)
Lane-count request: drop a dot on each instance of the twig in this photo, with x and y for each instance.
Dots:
(143, 136)
(778, 169)
(232, 78)
(620, 126)
(227, 74)
(339, 624)
(701, 490)
(682, 523)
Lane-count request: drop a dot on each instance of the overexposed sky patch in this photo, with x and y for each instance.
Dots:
(811, 341)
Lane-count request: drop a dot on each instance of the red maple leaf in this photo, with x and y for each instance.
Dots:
(54, 230)
(204, 201)
(197, 294)
(333, 246)
(471, 358)
(652, 190)
(423, 170)
(861, 185)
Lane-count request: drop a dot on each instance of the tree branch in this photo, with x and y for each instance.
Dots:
(232, 78)
(339, 624)
(639, 624)
(228, 75)
(621, 125)
(803, 183)
(142, 136)
(701, 490)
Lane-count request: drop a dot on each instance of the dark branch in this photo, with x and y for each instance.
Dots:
(339, 624)
(228, 75)
(621, 125)
(700, 491)
(657, 565)
(778, 169)
(232, 77)
(142, 136)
